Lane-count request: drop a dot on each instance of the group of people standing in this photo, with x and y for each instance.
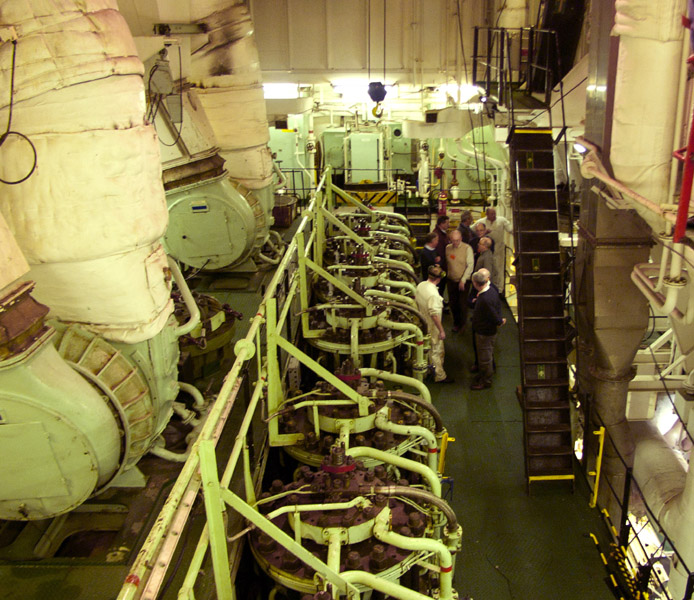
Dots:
(469, 263)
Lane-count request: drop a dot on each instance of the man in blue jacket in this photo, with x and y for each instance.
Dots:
(486, 318)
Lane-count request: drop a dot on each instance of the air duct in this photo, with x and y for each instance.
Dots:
(650, 46)
(225, 73)
(90, 217)
(83, 405)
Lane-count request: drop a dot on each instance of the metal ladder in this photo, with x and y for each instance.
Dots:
(544, 389)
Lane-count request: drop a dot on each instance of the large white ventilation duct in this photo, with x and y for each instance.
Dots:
(513, 14)
(90, 217)
(650, 44)
(226, 76)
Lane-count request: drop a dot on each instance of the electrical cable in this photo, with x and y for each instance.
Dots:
(384, 42)
(368, 38)
(8, 130)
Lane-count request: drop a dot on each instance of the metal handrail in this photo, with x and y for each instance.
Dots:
(245, 349)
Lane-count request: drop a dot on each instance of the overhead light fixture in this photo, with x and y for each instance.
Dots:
(580, 148)
(280, 91)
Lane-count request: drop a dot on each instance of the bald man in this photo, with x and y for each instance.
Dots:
(485, 257)
(498, 227)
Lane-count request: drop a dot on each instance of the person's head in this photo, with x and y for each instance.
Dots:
(485, 273)
(484, 244)
(480, 229)
(466, 218)
(479, 280)
(442, 222)
(431, 239)
(491, 214)
(436, 273)
(456, 238)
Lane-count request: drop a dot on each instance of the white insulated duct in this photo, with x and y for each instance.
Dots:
(225, 73)
(13, 265)
(668, 488)
(90, 217)
(646, 87)
(513, 14)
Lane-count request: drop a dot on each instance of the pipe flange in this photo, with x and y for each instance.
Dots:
(675, 282)
(610, 376)
(247, 345)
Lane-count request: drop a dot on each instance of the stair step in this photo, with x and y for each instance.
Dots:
(559, 382)
(549, 450)
(548, 427)
(538, 471)
(557, 405)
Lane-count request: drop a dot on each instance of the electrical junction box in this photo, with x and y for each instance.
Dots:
(364, 157)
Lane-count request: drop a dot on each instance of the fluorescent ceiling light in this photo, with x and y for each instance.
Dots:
(280, 91)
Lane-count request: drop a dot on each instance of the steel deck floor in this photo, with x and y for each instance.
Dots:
(515, 545)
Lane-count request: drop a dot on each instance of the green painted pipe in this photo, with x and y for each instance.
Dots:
(402, 379)
(405, 463)
(417, 544)
(382, 422)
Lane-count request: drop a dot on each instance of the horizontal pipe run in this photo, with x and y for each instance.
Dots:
(402, 379)
(430, 476)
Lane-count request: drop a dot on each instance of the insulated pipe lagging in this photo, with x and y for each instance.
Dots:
(90, 218)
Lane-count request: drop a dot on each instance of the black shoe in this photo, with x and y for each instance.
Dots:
(480, 385)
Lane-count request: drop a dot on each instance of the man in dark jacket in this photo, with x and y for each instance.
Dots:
(486, 318)
(428, 255)
(466, 232)
(441, 230)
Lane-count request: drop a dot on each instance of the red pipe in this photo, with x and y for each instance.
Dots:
(686, 192)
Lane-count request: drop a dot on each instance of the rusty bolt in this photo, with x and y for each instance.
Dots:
(380, 500)
(277, 486)
(359, 440)
(380, 440)
(377, 561)
(380, 472)
(369, 475)
(290, 562)
(406, 531)
(353, 559)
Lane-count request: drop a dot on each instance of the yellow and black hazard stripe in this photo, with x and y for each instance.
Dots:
(377, 198)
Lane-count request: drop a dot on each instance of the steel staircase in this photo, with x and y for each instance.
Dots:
(544, 390)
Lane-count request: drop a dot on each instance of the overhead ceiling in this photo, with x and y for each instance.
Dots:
(313, 41)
